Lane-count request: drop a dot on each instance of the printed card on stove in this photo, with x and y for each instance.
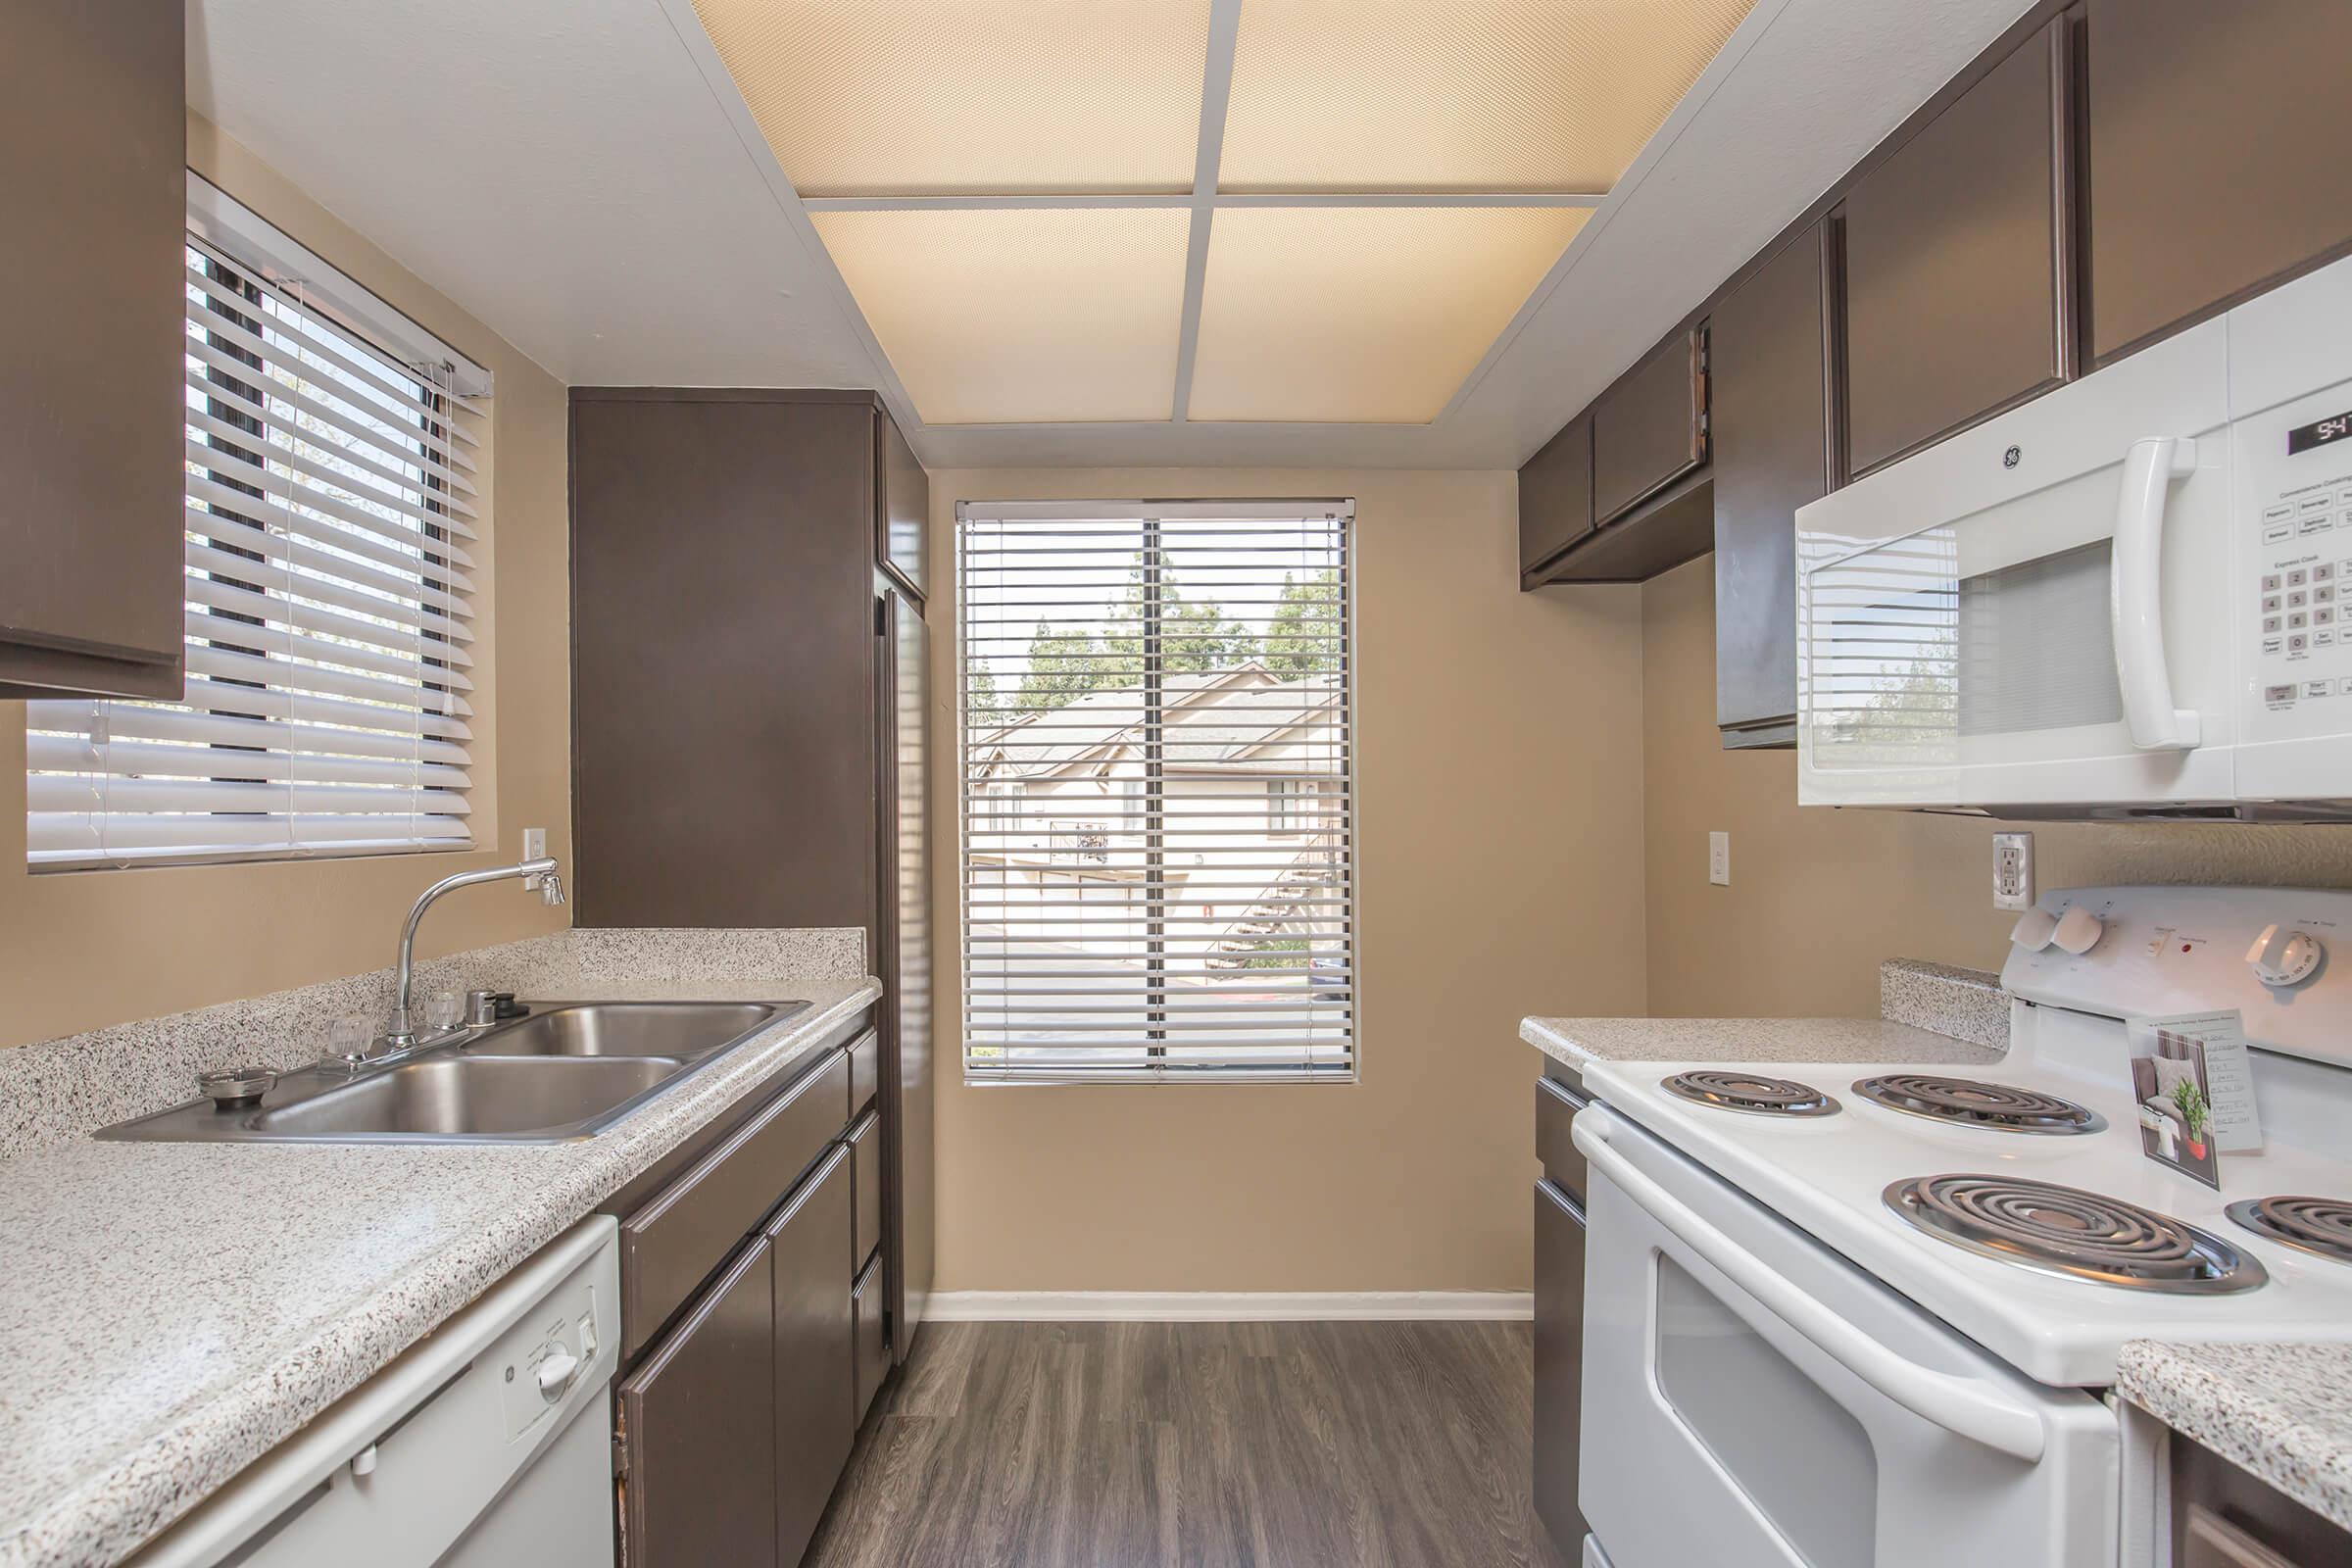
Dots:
(2194, 1086)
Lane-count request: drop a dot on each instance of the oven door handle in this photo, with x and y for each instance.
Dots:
(2135, 594)
(1957, 1405)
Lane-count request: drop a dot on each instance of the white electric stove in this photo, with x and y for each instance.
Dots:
(1921, 1278)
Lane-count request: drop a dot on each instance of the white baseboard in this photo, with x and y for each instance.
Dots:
(1229, 1306)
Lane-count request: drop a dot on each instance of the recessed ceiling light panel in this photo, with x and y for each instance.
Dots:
(1483, 95)
(950, 97)
(998, 318)
(1358, 315)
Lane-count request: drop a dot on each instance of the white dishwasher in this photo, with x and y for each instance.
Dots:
(488, 1443)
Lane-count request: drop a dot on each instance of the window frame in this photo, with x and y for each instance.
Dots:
(1339, 817)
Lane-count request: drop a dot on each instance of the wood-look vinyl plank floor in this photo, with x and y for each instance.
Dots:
(1197, 1446)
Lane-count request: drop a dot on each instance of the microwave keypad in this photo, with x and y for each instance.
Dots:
(2299, 604)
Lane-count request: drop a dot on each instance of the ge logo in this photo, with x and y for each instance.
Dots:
(2010, 458)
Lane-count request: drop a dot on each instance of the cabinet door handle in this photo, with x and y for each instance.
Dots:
(2135, 594)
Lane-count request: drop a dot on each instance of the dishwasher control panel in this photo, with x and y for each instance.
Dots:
(541, 1359)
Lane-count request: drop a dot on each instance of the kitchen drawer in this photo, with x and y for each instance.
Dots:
(866, 1072)
(865, 1149)
(1556, 1105)
(670, 1246)
(867, 1335)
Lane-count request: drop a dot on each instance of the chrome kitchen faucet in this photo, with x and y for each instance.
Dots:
(400, 1038)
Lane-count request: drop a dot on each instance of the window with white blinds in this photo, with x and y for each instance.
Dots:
(1159, 866)
(330, 520)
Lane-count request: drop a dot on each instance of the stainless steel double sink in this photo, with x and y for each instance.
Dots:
(566, 1070)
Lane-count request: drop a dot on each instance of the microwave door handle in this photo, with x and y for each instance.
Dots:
(2135, 594)
(1959, 1405)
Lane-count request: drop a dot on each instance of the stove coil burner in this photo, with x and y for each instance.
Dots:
(1755, 1094)
(2321, 1225)
(1967, 1103)
(2074, 1234)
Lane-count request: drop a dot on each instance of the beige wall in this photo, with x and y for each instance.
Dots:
(80, 950)
(1500, 874)
(1818, 897)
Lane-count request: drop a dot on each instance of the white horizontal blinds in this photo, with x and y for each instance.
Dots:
(330, 517)
(1158, 864)
(1883, 652)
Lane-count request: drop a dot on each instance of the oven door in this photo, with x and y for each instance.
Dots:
(1752, 1397)
(2036, 612)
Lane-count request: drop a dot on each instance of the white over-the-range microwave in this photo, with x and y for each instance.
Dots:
(2129, 598)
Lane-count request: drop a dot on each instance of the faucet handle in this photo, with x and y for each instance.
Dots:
(347, 1042)
(443, 1011)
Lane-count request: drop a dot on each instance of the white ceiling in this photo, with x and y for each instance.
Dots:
(584, 177)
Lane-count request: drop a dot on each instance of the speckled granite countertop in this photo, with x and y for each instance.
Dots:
(1577, 1040)
(1930, 1013)
(170, 1312)
(2277, 1410)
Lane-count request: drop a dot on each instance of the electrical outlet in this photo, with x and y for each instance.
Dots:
(534, 845)
(2013, 870)
(1719, 859)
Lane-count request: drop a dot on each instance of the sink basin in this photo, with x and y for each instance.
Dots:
(568, 1069)
(627, 1029)
(474, 1097)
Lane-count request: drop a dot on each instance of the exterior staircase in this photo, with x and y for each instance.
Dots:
(1281, 911)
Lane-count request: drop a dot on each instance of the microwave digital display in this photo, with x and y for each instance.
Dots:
(2318, 433)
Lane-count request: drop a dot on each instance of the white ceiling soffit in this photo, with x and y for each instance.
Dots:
(585, 176)
(557, 168)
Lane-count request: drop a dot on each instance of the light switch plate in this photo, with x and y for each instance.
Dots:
(1719, 859)
(2013, 870)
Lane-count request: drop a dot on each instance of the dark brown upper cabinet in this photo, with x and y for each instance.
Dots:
(93, 153)
(1650, 428)
(2218, 156)
(1621, 493)
(903, 519)
(723, 696)
(1555, 495)
(1671, 527)
(1957, 261)
(1770, 426)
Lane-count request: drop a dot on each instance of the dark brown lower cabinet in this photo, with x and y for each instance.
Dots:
(735, 1421)
(1559, 1362)
(871, 1351)
(697, 1432)
(815, 1420)
(2225, 1517)
(866, 1157)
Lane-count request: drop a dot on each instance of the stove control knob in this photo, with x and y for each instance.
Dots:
(2034, 930)
(2282, 957)
(2078, 930)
